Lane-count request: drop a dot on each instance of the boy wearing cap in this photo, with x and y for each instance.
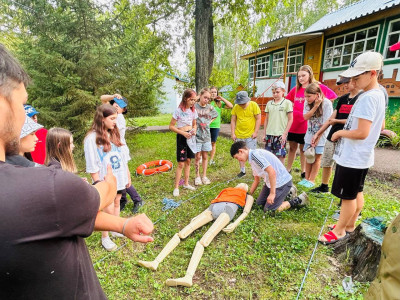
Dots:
(39, 154)
(278, 181)
(336, 121)
(278, 119)
(245, 123)
(354, 152)
(121, 104)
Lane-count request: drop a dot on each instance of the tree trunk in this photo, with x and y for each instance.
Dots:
(362, 251)
(204, 42)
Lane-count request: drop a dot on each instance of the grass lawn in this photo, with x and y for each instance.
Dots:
(158, 120)
(264, 258)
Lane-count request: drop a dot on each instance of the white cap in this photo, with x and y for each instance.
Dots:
(310, 155)
(367, 61)
(279, 85)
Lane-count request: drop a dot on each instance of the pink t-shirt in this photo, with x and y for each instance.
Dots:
(299, 124)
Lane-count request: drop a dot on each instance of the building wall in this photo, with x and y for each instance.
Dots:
(171, 99)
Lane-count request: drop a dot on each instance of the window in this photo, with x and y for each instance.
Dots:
(392, 38)
(295, 60)
(341, 50)
(262, 67)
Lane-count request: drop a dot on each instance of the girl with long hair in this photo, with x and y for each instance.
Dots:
(103, 147)
(183, 122)
(305, 76)
(59, 147)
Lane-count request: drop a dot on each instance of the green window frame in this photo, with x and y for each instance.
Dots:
(342, 49)
(393, 36)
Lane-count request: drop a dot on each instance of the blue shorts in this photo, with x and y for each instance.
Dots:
(250, 143)
(203, 146)
(214, 134)
(274, 145)
(318, 149)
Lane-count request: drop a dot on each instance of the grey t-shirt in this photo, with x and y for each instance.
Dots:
(19, 160)
(205, 116)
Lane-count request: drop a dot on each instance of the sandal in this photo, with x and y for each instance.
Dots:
(331, 238)
(331, 227)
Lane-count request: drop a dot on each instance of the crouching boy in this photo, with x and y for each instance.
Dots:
(278, 181)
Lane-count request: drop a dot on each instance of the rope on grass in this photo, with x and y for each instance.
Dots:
(315, 248)
(167, 212)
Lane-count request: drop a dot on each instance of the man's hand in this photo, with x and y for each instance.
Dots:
(110, 178)
(233, 136)
(271, 199)
(254, 135)
(139, 228)
(118, 96)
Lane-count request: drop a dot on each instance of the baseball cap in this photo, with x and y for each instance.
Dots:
(30, 111)
(342, 80)
(29, 127)
(121, 103)
(279, 85)
(310, 155)
(242, 98)
(365, 62)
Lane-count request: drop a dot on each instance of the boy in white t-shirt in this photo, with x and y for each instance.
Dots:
(354, 152)
(278, 181)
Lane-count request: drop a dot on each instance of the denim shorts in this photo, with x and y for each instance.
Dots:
(203, 146)
(318, 149)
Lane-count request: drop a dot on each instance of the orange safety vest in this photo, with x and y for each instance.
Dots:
(232, 195)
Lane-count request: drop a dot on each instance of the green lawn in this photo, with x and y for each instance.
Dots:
(158, 120)
(264, 258)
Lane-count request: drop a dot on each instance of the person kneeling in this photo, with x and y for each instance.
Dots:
(278, 181)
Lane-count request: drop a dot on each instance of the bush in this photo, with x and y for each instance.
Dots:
(225, 116)
(393, 122)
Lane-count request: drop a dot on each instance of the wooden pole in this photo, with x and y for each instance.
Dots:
(285, 61)
(254, 73)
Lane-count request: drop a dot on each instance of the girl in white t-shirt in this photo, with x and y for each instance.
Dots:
(183, 122)
(103, 147)
(317, 110)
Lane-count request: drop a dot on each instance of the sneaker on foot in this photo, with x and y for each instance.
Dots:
(320, 189)
(197, 181)
(137, 205)
(117, 234)
(302, 182)
(175, 193)
(304, 199)
(108, 244)
(308, 184)
(212, 162)
(241, 174)
(293, 192)
(189, 187)
(205, 180)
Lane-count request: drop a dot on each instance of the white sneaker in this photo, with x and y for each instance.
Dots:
(189, 187)
(117, 234)
(197, 181)
(175, 193)
(108, 244)
(206, 180)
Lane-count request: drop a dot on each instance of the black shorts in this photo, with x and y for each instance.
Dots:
(214, 134)
(296, 137)
(183, 151)
(348, 182)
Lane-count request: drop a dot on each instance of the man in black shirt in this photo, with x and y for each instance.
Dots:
(46, 212)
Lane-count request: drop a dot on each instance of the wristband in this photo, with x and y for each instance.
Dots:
(123, 227)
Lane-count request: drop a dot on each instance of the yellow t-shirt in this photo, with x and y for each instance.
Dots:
(245, 119)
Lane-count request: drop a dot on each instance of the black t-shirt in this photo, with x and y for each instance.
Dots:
(343, 109)
(45, 214)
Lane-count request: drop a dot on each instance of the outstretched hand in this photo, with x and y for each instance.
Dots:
(230, 228)
(139, 228)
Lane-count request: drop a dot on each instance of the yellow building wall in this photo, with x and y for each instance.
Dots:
(312, 56)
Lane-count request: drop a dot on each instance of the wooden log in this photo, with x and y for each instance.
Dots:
(361, 251)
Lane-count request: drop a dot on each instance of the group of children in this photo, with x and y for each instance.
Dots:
(305, 117)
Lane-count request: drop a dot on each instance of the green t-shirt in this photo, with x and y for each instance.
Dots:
(217, 122)
(277, 116)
